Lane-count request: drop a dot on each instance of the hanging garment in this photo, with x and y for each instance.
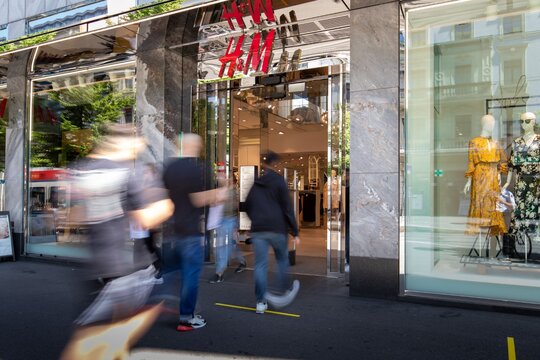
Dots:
(486, 162)
(309, 202)
(525, 164)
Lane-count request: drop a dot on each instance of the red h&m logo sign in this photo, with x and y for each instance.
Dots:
(258, 55)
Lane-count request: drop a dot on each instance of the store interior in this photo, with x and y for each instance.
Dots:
(296, 127)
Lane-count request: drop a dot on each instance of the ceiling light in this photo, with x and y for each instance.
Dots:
(270, 106)
(271, 129)
(278, 122)
(240, 108)
(281, 133)
(243, 120)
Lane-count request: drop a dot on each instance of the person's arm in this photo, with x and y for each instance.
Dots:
(208, 197)
(153, 214)
(149, 201)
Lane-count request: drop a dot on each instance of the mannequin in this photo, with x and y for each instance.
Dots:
(525, 165)
(486, 163)
(332, 185)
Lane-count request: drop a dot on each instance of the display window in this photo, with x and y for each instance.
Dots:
(472, 151)
(69, 114)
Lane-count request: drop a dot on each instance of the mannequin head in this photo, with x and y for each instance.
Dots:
(528, 120)
(488, 124)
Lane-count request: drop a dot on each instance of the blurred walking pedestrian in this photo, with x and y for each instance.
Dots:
(227, 231)
(184, 177)
(111, 192)
(269, 207)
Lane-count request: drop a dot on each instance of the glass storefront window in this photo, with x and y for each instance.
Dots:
(65, 17)
(69, 113)
(472, 93)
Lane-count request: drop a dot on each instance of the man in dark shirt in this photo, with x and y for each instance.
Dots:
(184, 178)
(268, 205)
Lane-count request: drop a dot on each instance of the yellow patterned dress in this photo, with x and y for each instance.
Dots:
(486, 161)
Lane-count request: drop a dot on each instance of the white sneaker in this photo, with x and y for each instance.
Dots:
(280, 301)
(261, 307)
(196, 322)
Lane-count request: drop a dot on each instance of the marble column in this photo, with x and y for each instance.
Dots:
(165, 78)
(374, 176)
(15, 139)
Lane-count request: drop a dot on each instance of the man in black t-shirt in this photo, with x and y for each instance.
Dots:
(185, 179)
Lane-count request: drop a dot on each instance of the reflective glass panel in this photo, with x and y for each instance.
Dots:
(68, 116)
(472, 156)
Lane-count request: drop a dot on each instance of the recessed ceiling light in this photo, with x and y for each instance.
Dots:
(278, 122)
(281, 133)
(240, 108)
(243, 120)
(272, 129)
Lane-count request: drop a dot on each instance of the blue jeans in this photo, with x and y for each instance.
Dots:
(226, 244)
(187, 256)
(262, 242)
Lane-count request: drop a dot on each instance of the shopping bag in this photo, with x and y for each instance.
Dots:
(215, 216)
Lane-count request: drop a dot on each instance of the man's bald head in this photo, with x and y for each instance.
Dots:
(190, 145)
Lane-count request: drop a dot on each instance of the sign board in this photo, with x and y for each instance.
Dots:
(6, 238)
(259, 56)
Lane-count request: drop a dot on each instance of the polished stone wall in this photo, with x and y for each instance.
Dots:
(165, 78)
(374, 176)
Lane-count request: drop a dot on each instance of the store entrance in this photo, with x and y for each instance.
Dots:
(300, 116)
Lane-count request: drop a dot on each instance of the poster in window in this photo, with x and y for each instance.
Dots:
(6, 240)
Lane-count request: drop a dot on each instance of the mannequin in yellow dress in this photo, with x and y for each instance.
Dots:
(486, 163)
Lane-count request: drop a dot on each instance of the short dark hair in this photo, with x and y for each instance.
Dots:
(270, 158)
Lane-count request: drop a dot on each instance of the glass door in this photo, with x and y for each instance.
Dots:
(301, 116)
(335, 187)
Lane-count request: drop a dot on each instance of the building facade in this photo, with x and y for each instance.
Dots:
(376, 106)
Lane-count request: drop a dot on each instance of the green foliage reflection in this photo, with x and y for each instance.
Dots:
(82, 113)
(157, 9)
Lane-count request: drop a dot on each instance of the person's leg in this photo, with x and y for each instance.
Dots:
(232, 232)
(191, 253)
(281, 252)
(260, 245)
(221, 249)
(151, 243)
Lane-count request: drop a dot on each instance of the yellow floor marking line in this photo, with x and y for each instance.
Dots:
(253, 309)
(511, 348)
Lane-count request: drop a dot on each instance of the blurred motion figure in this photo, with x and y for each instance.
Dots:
(108, 185)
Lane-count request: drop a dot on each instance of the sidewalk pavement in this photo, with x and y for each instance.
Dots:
(39, 300)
